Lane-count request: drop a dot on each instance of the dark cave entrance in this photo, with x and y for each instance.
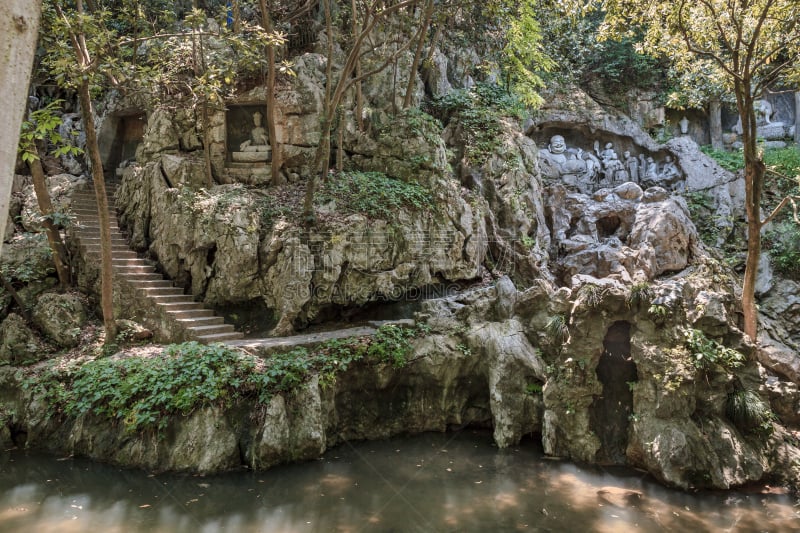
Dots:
(610, 413)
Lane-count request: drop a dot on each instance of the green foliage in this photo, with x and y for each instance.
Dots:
(707, 353)
(478, 111)
(733, 161)
(782, 239)
(783, 243)
(749, 413)
(418, 123)
(620, 68)
(523, 55)
(532, 389)
(659, 313)
(42, 125)
(641, 293)
(704, 217)
(374, 195)
(142, 392)
(785, 161)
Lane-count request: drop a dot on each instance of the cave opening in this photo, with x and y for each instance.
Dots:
(610, 413)
(608, 226)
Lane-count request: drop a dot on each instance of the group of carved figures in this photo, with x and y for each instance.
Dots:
(605, 168)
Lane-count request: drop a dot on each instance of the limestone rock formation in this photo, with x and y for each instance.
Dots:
(18, 342)
(614, 234)
(60, 317)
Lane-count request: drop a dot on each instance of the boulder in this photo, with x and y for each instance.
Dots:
(513, 365)
(27, 258)
(60, 317)
(19, 343)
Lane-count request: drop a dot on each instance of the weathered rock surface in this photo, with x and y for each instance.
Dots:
(18, 342)
(222, 246)
(60, 317)
(614, 234)
(26, 257)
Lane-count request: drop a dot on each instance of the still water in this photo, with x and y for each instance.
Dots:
(433, 482)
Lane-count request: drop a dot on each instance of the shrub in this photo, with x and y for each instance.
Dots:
(748, 412)
(641, 293)
(478, 111)
(374, 195)
(733, 161)
(707, 352)
(142, 392)
(557, 330)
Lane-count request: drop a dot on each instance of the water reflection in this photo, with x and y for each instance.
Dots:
(434, 482)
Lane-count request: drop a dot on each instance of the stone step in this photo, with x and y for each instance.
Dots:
(219, 337)
(161, 291)
(139, 276)
(150, 283)
(181, 306)
(115, 248)
(190, 313)
(94, 236)
(129, 261)
(89, 193)
(173, 298)
(134, 269)
(85, 208)
(199, 322)
(94, 220)
(89, 222)
(94, 240)
(199, 331)
(127, 253)
(202, 321)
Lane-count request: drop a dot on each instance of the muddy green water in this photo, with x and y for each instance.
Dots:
(434, 482)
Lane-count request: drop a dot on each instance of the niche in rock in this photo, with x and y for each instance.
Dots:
(119, 138)
(246, 134)
(610, 413)
(608, 226)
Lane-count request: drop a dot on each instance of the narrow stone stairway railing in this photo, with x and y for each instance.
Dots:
(170, 309)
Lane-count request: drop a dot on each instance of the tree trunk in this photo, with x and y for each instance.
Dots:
(359, 92)
(797, 118)
(207, 147)
(237, 16)
(106, 273)
(340, 143)
(272, 130)
(19, 29)
(412, 75)
(15, 296)
(46, 208)
(754, 169)
(715, 124)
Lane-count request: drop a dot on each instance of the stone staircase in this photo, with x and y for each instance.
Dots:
(190, 319)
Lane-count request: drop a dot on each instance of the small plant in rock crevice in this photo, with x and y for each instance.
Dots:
(592, 295)
(641, 294)
(557, 330)
(707, 353)
(749, 413)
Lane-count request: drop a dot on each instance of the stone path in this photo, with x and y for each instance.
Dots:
(280, 344)
(183, 313)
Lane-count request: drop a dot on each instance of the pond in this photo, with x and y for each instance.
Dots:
(431, 482)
